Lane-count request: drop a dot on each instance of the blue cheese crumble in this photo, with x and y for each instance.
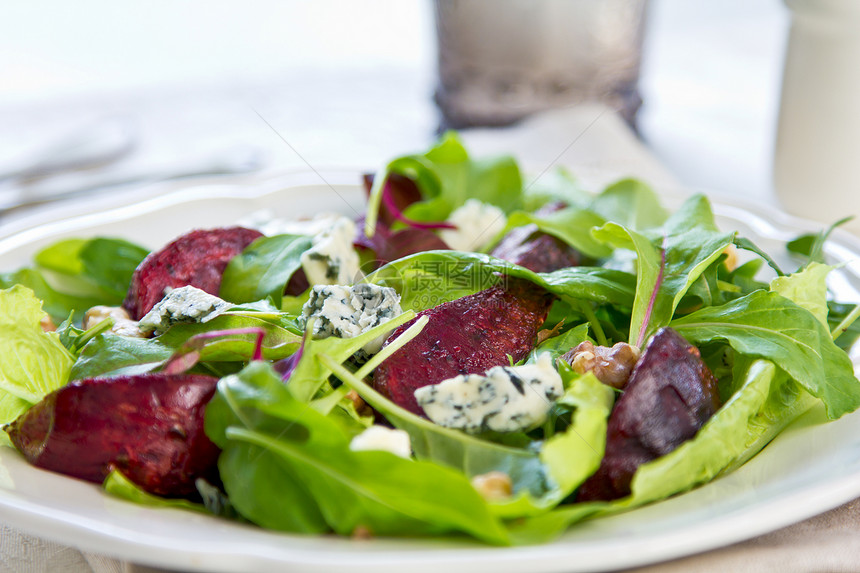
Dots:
(477, 224)
(380, 438)
(504, 399)
(187, 304)
(347, 311)
(332, 260)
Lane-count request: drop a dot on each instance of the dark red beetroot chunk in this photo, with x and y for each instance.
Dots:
(197, 259)
(530, 248)
(149, 426)
(465, 336)
(670, 396)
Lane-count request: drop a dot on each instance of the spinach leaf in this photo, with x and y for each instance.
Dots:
(263, 269)
(254, 417)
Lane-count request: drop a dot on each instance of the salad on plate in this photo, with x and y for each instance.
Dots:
(473, 355)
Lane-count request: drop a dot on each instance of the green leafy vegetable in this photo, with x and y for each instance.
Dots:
(263, 269)
(76, 274)
(447, 177)
(33, 362)
(254, 417)
(690, 242)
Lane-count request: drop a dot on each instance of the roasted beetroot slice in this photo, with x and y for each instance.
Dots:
(149, 426)
(670, 396)
(465, 336)
(530, 248)
(197, 259)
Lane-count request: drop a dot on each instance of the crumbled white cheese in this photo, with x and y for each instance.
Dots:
(383, 439)
(346, 312)
(270, 225)
(504, 399)
(332, 260)
(186, 304)
(477, 224)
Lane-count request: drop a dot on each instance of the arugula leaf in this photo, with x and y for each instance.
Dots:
(33, 363)
(690, 243)
(770, 326)
(263, 269)
(254, 417)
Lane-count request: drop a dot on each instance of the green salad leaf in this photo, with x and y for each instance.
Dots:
(447, 177)
(255, 418)
(33, 362)
(669, 265)
(263, 269)
(74, 275)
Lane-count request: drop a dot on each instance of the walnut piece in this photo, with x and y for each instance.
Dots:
(612, 366)
(47, 324)
(493, 485)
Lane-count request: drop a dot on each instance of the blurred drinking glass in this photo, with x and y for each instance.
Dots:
(501, 60)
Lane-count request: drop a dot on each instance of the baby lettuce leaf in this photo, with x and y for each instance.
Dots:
(263, 269)
(33, 362)
(690, 242)
(447, 177)
(254, 417)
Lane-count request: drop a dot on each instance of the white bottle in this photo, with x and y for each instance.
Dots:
(817, 156)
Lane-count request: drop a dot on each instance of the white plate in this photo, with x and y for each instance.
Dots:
(807, 470)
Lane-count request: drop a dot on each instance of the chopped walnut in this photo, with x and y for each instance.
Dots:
(122, 323)
(612, 366)
(47, 324)
(361, 532)
(493, 485)
(361, 406)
